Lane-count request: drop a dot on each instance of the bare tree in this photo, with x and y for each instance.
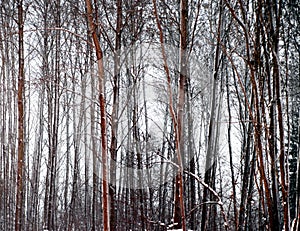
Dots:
(210, 163)
(68, 130)
(99, 55)
(114, 117)
(21, 120)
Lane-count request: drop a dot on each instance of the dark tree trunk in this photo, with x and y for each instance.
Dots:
(21, 119)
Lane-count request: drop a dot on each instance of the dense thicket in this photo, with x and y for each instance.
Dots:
(149, 115)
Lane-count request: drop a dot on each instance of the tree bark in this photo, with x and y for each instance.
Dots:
(179, 213)
(231, 153)
(209, 162)
(114, 118)
(21, 119)
(177, 119)
(256, 116)
(99, 55)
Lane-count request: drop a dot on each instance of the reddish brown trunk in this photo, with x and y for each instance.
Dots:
(21, 143)
(179, 211)
(256, 117)
(177, 119)
(99, 55)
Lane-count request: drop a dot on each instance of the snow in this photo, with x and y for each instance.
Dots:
(179, 229)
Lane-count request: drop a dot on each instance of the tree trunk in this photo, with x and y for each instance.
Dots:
(114, 118)
(99, 54)
(231, 153)
(209, 162)
(21, 119)
(179, 213)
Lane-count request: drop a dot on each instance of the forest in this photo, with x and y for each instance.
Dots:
(149, 115)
